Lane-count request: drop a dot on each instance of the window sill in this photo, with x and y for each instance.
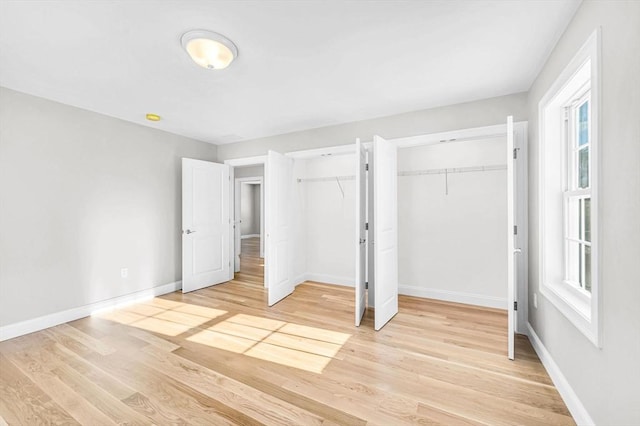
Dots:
(575, 306)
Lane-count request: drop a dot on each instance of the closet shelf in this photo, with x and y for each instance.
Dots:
(453, 170)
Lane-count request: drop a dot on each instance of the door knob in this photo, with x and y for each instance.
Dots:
(189, 231)
(517, 250)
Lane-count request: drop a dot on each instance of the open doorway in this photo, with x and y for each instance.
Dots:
(249, 224)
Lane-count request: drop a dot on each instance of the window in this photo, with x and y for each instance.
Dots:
(577, 195)
(568, 116)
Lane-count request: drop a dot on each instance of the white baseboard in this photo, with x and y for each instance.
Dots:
(454, 296)
(250, 236)
(329, 279)
(299, 279)
(36, 324)
(577, 410)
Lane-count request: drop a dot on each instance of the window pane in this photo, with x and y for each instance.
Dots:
(583, 124)
(573, 218)
(573, 262)
(583, 168)
(580, 263)
(587, 268)
(580, 219)
(587, 219)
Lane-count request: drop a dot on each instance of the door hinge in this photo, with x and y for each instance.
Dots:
(515, 229)
(515, 153)
(366, 226)
(366, 285)
(515, 306)
(366, 167)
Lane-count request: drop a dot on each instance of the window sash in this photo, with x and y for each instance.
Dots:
(574, 236)
(571, 135)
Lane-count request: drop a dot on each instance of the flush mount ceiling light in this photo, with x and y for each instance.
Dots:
(152, 117)
(208, 49)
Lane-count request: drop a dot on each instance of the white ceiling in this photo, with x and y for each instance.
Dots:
(301, 64)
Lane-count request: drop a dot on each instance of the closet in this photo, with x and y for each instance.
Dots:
(452, 204)
(315, 230)
(438, 216)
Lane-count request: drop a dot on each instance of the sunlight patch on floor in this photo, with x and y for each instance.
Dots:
(163, 316)
(303, 347)
(294, 345)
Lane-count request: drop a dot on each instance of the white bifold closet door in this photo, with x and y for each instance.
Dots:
(205, 224)
(512, 251)
(279, 226)
(361, 232)
(385, 199)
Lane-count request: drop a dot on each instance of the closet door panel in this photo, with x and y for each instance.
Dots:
(386, 230)
(279, 226)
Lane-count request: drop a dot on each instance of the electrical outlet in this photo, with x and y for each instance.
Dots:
(535, 300)
(124, 272)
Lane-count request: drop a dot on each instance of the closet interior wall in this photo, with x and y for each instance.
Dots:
(300, 223)
(326, 188)
(452, 229)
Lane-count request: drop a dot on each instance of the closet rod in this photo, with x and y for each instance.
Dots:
(326, 179)
(415, 173)
(453, 170)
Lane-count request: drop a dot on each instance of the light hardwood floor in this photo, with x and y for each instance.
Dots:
(221, 356)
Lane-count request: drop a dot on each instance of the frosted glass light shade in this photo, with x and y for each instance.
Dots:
(208, 49)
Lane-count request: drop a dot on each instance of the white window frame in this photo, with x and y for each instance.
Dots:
(580, 78)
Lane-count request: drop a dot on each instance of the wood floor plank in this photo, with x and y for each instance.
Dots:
(220, 355)
(39, 373)
(270, 387)
(108, 404)
(24, 402)
(159, 396)
(260, 406)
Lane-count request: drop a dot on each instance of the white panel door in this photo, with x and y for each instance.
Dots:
(512, 251)
(361, 232)
(279, 226)
(385, 201)
(205, 224)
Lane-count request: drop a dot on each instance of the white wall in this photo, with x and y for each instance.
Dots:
(607, 380)
(330, 219)
(84, 195)
(257, 189)
(300, 223)
(249, 171)
(249, 209)
(454, 117)
(453, 246)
